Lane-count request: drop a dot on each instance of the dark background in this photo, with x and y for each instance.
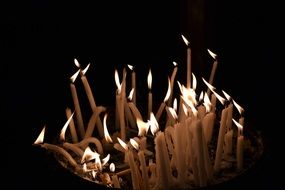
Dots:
(40, 39)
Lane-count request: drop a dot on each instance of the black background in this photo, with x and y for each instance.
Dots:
(40, 39)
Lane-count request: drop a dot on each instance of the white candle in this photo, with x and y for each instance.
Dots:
(163, 104)
(228, 144)
(144, 170)
(213, 71)
(134, 172)
(149, 83)
(114, 177)
(208, 125)
(172, 79)
(188, 62)
(71, 126)
(129, 115)
(239, 150)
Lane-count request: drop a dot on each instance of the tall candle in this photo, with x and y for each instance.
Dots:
(144, 170)
(213, 71)
(239, 150)
(134, 172)
(163, 104)
(188, 62)
(114, 176)
(133, 84)
(149, 83)
(92, 121)
(172, 79)
(77, 106)
(208, 125)
(71, 126)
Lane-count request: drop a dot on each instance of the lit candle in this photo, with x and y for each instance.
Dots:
(239, 149)
(188, 62)
(172, 79)
(163, 104)
(214, 67)
(241, 111)
(63, 130)
(114, 177)
(77, 105)
(129, 116)
(71, 126)
(92, 121)
(133, 84)
(149, 83)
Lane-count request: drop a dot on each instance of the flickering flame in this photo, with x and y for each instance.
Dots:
(213, 55)
(105, 160)
(239, 108)
(180, 87)
(185, 40)
(130, 97)
(173, 113)
(149, 79)
(143, 127)
(168, 91)
(40, 138)
(76, 63)
(98, 162)
(122, 143)
(211, 87)
(117, 81)
(191, 105)
(112, 167)
(194, 82)
(220, 98)
(153, 124)
(131, 67)
(174, 63)
(106, 132)
(89, 155)
(63, 130)
(238, 124)
(94, 173)
(184, 109)
(175, 104)
(134, 144)
(188, 94)
(86, 69)
(201, 96)
(228, 97)
(74, 76)
(207, 102)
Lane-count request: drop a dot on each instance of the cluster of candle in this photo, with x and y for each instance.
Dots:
(180, 157)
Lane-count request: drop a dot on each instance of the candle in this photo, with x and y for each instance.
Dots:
(163, 104)
(149, 82)
(144, 170)
(208, 124)
(91, 140)
(129, 116)
(239, 150)
(114, 177)
(71, 126)
(213, 71)
(172, 83)
(188, 62)
(92, 121)
(134, 84)
(77, 106)
(63, 130)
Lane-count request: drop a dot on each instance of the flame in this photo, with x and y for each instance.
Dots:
(153, 124)
(191, 105)
(184, 109)
(239, 108)
(220, 98)
(174, 63)
(194, 82)
(63, 130)
(89, 155)
(85, 70)
(168, 91)
(143, 127)
(105, 160)
(149, 79)
(201, 96)
(76, 63)
(130, 97)
(112, 167)
(134, 144)
(173, 112)
(180, 87)
(131, 67)
(211, 87)
(188, 94)
(207, 102)
(238, 124)
(98, 162)
(40, 138)
(213, 55)
(74, 76)
(122, 143)
(185, 40)
(94, 173)
(228, 97)
(175, 104)
(106, 132)
(117, 80)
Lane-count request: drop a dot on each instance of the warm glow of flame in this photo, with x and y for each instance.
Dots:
(184, 109)
(238, 124)
(106, 132)
(149, 79)
(175, 104)
(168, 91)
(220, 98)
(63, 130)
(211, 87)
(207, 102)
(40, 138)
(213, 55)
(130, 97)
(98, 162)
(228, 97)
(117, 81)
(174, 63)
(154, 127)
(76, 63)
(185, 40)
(194, 82)
(74, 76)
(180, 87)
(105, 160)
(86, 69)
(143, 127)
(134, 144)
(112, 167)
(191, 105)
(131, 67)
(188, 94)
(201, 96)
(84, 168)
(122, 143)
(94, 173)
(173, 112)
(89, 155)
(239, 108)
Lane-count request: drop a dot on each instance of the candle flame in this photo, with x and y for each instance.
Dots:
(188, 94)
(131, 67)
(239, 108)
(191, 105)
(213, 55)
(238, 124)
(173, 112)
(105, 160)
(84, 168)
(207, 102)
(211, 87)
(153, 124)
(63, 130)
(94, 173)
(228, 97)
(130, 97)
(185, 40)
(180, 87)
(220, 98)
(112, 167)
(149, 79)
(174, 63)
(143, 127)
(89, 155)
(194, 82)
(76, 63)
(106, 132)
(122, 143)
(168, 91)
(40, 138)
(117, 81)
(201, 96)
(74, 76)
(184, 109)
(85, 70)
(134, 144)
(98, 162)
(175, 104)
